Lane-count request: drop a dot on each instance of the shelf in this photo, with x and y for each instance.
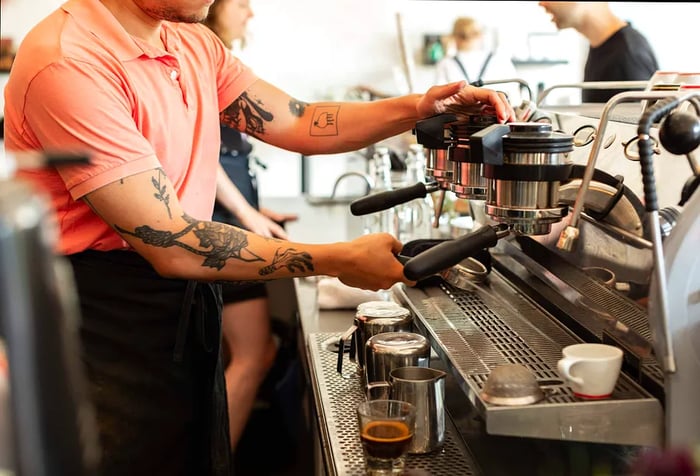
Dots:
(534, 62)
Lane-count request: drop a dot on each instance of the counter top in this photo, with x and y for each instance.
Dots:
(315, 320)
(335, 398)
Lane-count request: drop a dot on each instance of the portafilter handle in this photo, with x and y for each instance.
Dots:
(381, 201)
(449, 253)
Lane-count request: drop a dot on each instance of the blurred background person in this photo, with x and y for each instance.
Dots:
(468, 58)
(618, 52)
(249, 346)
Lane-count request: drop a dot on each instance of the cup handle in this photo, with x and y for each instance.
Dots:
(564, 367)
(373, 388)
(341, 347)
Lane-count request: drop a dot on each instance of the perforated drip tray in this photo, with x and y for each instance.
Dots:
(337, 398)
(476, 330)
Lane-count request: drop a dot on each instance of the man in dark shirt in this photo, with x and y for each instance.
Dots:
(618, 52)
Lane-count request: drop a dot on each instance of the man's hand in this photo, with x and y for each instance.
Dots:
(369, 262)
(462, 98)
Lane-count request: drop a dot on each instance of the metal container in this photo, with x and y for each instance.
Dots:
(430, 133)
(390, 350)
(524, 164)
(372, 318)
(425, 389)
(467, 180)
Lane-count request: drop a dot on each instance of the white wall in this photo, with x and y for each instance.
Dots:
(317, 49)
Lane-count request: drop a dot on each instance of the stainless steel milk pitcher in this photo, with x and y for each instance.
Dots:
(424, 387)
(374, 318)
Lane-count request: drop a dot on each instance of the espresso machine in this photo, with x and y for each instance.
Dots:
(574, 191)
(50, 428)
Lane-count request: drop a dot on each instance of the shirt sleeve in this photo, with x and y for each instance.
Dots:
(76, 107)
(233, 76)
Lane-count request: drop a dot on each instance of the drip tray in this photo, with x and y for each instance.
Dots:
(476, 330)
(336, 403)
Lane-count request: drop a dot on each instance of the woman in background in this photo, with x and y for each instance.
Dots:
(247, 338)
(470, 60)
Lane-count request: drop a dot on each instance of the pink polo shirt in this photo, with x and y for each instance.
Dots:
(81, 83)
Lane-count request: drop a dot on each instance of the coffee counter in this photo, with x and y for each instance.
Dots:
(331, 399)
(335, 399)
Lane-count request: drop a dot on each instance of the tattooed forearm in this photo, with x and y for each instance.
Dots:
(217, 242)
(246, 114)
(291, 259)
(161, 191)
(242, 284)
(297, 107)
(325, 121)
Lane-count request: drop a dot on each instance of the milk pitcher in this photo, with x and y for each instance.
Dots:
(390, 350)
(424, 387)
(374, 317)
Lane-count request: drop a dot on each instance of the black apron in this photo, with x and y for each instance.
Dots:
(235, 156)
(151, 350)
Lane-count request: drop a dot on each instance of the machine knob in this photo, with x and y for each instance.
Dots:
(680, 133)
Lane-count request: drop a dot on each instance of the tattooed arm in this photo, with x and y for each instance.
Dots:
(145, 211)
(273, 116)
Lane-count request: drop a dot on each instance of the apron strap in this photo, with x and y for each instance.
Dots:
(184, 322)
(202, 299)
(481, 72)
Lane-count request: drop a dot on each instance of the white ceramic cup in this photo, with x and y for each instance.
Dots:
(591, 370)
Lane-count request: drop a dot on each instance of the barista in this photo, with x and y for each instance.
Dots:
(142, 86)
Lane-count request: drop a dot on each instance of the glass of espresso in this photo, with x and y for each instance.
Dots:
(386, 429)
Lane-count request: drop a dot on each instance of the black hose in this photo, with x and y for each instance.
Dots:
(646, 148)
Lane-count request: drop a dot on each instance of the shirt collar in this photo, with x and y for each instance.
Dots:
(98, 20)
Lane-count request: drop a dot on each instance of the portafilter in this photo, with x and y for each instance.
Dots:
(467, 179)
(524, 163)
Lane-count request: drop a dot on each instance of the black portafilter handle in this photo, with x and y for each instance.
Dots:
(378, 202)
(449, 253)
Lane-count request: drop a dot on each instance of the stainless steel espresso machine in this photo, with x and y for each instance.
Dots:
(577, 193)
